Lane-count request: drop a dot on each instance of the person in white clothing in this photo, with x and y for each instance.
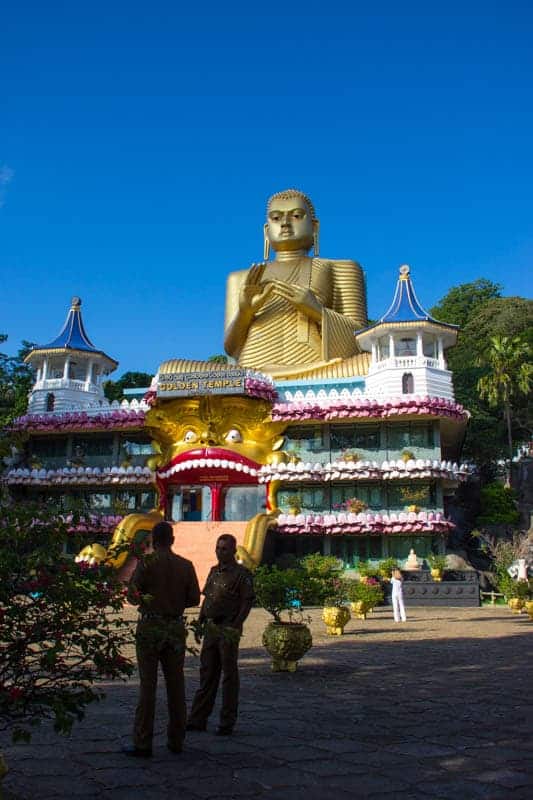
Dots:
(397, 596)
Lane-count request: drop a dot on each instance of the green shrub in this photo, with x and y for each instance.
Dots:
(367, 570)
(437, 562)
(323, 573)
(278, 590)
(61, 627)
(498, 506)
(370, 593)
(386, 566)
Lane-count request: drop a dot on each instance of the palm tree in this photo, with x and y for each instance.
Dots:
(510, 373)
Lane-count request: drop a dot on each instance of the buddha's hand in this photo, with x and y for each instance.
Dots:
(300, 297)
(254, 294)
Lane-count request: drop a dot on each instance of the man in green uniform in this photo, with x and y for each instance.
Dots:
(163, 585)
(228, 599)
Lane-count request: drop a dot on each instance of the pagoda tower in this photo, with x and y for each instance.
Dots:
(70, 370)
(408, 348)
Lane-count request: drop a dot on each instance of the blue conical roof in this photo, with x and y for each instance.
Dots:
(405, 306)
(73, 336)
(73, 333)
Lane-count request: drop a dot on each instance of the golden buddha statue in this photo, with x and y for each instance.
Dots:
(295, 316)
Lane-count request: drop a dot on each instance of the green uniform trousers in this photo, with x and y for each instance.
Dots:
(153, 649)
(218, 655)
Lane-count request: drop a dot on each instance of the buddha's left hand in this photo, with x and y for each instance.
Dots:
(300, 297)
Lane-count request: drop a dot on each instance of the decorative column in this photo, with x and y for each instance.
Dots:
(419, 346)
(66, 368)
(45, 370)
(442, 363)
(374, 352)
(391, 346)
(89, 374)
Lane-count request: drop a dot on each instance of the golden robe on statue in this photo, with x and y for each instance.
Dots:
(286, 342)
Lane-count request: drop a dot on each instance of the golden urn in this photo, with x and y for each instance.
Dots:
(287, 643)
(528, 608)
(516, 604)
(335, 618)
(360, 608)
(436, 574)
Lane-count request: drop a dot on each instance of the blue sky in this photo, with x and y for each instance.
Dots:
(139, 142)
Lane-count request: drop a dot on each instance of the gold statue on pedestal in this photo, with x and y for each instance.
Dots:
(295, 316)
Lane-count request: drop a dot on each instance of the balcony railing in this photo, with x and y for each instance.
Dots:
(408, 362)
(69, 383)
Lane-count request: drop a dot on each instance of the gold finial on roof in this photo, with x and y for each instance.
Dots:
(405, 271)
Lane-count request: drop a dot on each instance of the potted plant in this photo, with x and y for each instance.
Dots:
(385, 568)
(335, 612)
(364, 596)
(294, 502)
(407, 455)
(517, 593)
(349, 455)
(437, 565)
(280, 591)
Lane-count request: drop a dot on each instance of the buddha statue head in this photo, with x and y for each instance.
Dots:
(292, 224)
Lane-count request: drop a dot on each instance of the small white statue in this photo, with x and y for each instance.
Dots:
(412, 560)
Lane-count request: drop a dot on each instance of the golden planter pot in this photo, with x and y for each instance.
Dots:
(360, 608)
(287, 643)
(335, 618)
(436, 574)
(528, 608)
(516, 604)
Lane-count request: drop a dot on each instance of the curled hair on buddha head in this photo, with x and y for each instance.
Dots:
(286, 194)
(162, 534)
(229, 538)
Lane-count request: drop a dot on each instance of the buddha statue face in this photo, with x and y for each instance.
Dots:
(290, 222)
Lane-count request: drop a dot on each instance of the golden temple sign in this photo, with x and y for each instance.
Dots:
(189, 384)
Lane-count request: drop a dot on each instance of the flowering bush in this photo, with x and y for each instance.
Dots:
(325, 581)
(60, 625)
(369, 593)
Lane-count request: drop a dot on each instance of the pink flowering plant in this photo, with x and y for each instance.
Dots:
(61, 628)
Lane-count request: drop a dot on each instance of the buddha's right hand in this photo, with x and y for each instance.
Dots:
(254, 293)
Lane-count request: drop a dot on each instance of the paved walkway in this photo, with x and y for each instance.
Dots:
(438, 707)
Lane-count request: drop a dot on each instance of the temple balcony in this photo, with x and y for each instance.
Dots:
(53, 384)
(407, 362)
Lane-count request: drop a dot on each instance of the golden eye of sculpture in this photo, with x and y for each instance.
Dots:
(233, 436)
(190, 437)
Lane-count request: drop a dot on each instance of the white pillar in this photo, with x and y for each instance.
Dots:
(391, 346)
(374, 351)
(442, 363)
(45, 369)
(89, 374)
(65, 368)
(419, 345)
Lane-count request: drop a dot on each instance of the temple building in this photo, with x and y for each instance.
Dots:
(322, 433)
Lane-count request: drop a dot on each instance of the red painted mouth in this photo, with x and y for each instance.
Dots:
(212, 461)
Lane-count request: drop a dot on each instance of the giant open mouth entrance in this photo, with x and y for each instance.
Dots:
(211, 484)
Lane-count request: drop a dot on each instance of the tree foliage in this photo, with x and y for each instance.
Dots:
(114, 390)
(60, 624)
(16, 380)
(510, 371)
(482, 313)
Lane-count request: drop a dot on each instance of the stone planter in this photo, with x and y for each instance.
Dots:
(335, 618)
(528, 607)
(436, 574)
(287, 643)
(360, 609)
(516, 604)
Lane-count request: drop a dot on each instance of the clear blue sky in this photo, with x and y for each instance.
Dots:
(139, 142)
